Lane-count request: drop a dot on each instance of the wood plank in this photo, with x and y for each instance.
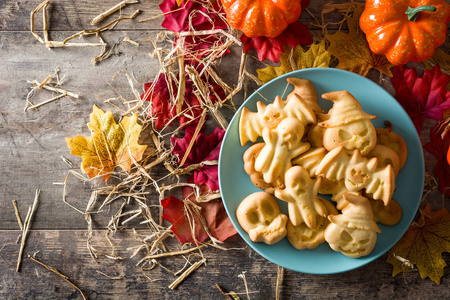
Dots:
(34, 140)
(68, 15)
(65, 250)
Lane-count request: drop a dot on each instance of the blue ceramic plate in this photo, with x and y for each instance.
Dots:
(235, 184)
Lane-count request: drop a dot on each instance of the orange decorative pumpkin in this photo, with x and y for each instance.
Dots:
(261, 17)
(405, 30)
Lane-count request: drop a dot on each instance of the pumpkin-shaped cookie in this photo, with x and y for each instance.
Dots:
(354, 232)
(348, 125)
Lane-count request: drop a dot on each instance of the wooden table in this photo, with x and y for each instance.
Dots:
(32, 143)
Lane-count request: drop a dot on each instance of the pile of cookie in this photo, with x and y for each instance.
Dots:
(307, 152)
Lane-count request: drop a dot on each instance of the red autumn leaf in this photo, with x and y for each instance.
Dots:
(421, 97)
(439, 147)
(177, 18)
(192, 15)
(191, 107)
(201, 45)
(163, 110)
(174, 212)
(271, 48)
(205, 148)
(213, 213)
(216, 217)
(158, 93)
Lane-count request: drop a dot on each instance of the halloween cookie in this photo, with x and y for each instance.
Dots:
(259, 215)
(256, 177)
(354, 232)
(386, 156)
(281, 146)
(301, 195)
(348, 125)
(358, 173)
(315, 136)
(303, 237)
(305, 89)
(389, 214)
(387, 137)
(310, 160)
(251, 124)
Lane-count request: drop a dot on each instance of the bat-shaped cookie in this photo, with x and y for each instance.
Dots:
(359, 172)
(251, 123)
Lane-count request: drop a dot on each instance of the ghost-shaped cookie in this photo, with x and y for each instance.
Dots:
(348, 125)
(354, 232)
(281, 146)
(301, 195)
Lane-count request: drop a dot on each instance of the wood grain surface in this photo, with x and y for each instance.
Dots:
(32, 143)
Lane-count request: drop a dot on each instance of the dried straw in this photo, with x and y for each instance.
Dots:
(112, 10)
(16, 211)
(186, 273)
(138, 193)
(57, 273)
(26, 228)
(96, 32)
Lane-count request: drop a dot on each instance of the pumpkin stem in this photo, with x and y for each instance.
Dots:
(413, 13)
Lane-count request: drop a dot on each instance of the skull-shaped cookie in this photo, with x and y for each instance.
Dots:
(282, 145)
(251, 124)
(301, 195)
(354, 232)
(348, 125)
(303, 237)
(259, 215)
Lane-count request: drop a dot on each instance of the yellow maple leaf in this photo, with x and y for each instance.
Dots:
(110, 145)
(352, 49)
(423, 244)
(316, 57)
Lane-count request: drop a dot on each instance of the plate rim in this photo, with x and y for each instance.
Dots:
(295, 74)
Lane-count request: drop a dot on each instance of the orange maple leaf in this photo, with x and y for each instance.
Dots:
(110, 145)
(352, 49)
(423, 244)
